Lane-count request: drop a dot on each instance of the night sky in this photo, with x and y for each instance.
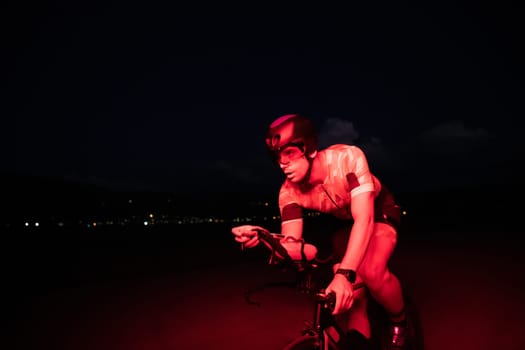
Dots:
(166, 98)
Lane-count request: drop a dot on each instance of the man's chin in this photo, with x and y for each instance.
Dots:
(294, 179)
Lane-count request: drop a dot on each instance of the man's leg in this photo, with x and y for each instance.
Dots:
(383, 285)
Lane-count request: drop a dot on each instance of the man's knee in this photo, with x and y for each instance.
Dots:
(373, 276)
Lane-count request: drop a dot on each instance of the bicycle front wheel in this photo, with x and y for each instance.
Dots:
(304, 342)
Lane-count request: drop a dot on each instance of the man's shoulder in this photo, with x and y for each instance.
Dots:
(288, 192)
(286, 186)
(340, 151)
(340, 147)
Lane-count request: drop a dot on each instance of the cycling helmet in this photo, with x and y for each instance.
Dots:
(291, 129)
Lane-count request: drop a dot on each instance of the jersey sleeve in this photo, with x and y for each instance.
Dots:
(288, 206)
(358, 176)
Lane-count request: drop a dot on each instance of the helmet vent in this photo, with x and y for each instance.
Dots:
(275, 140)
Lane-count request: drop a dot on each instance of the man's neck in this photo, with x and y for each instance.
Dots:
(317, 172)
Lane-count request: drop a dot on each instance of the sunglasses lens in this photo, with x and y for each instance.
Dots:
(290, 153)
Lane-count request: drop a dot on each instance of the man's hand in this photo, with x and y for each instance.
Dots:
(344, 293)
(246, 235)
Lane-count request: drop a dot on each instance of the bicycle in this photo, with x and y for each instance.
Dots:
(323, 332)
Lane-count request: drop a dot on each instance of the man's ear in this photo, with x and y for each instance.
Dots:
(312, 155)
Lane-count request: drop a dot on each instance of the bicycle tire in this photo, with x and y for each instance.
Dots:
(304, 342)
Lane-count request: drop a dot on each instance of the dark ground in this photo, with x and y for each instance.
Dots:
(183, 288)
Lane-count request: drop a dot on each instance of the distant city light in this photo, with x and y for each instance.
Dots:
(154, 218)
(161, 219)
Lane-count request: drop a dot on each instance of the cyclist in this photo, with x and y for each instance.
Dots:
(337, 181)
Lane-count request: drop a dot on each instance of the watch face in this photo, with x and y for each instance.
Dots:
(349, 274)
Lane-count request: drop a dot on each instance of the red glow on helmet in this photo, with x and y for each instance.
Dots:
(291, 129)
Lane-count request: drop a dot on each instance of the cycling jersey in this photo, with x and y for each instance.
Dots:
(347, 176)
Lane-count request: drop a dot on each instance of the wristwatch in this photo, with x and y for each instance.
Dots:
(349, 274)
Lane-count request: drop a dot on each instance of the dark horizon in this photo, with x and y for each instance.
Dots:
(51, 200)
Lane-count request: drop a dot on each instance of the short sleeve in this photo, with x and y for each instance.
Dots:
(288, 206)
(358, 176)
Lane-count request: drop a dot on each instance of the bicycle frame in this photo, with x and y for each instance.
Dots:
(325, 330)
(323, 333)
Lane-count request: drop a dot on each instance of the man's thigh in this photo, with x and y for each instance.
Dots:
(380, 248)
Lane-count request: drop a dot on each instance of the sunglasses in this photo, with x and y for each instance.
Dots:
(289, 153)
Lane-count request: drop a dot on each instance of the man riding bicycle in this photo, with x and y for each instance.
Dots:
(337, 181)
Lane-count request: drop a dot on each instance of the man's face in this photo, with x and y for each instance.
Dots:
(293, 163)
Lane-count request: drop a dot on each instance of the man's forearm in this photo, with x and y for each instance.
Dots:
(292, 228)
(357, 244)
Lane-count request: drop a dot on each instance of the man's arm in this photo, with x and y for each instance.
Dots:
(362, 209)
(292, 228)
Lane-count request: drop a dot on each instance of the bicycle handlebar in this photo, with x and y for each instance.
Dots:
(328, 299)
(274, 244)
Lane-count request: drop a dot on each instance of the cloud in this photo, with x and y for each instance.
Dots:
(336, 130)
(455, 129)
(453, 138)
(379, 156)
